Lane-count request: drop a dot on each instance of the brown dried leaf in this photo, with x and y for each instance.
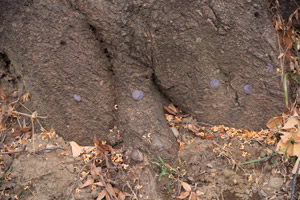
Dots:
(290, 21)
(169, 117)
(286, 136)
(95, 140)
(291, 123)
(296, 165)
(2, 95)
(171, 109)
(296, 150)
(25, 97)
(183, 195)
(193, 196)
(280, 55)
(34, 115)
(88, 182)
(186, 186)
(99, 184)
(76, 149)
(281, 147)
(277, 4)
(193, 128)
(111, 190)
(19, 131)
(122, 196)
(101, 195)
(271, 124)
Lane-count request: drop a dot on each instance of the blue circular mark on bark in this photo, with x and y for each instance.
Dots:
(137, 95)
(270, 68)
(248, 89)
(77, 97)
(215, 83)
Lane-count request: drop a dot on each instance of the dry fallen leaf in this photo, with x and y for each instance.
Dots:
(171, 109)
(186, 186)
(296, 150)
(281, 147)
(296, 165)
(99, 184)
(271, 124)
(101, 195)
(193, 128)
(95, 140)
(183, 195)
(291, 123)
(88, 182)
(76, 149)
(122, 196)
(193, 196)
(25, 97)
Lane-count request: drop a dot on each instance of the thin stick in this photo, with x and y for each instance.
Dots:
(32, 151)
(184, 122)
(135, 196)
(294, 182)
(106, 188)
(27, 115)
(31, 112)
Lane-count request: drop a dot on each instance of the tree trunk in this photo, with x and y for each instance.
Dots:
(79, 59)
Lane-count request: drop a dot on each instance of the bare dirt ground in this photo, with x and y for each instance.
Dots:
(208, 167)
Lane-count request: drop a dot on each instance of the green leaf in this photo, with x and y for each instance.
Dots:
(293, 77)
(168, 184)
(162, 173)
(161, 160)
(285, 90)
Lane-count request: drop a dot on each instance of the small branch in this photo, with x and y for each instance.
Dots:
(32, 151)
(105, 185)
(135, 196)
(294, 182)
(184, 122)
(27, 115)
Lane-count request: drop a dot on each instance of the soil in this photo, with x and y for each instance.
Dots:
(209, 163)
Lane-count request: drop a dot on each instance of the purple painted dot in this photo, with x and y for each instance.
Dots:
(248, 89)
(77, 97)
(270, 68)
(215, 83)
(137, 95)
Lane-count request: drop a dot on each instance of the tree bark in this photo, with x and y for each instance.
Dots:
(79, 59)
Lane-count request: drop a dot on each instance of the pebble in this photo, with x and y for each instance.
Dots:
(137, 155)
(248, 89)
(77, 97)
(137, 95)
(215, 83)
(270, 68)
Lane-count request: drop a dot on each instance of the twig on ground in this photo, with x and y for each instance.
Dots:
(4, 136)
(184, 122)
(31, 112)
(32, 151)
(27, 115)
(134, 195)
(106, 187)
(294, 182)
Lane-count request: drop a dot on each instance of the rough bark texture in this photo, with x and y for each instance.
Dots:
(171, 50)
